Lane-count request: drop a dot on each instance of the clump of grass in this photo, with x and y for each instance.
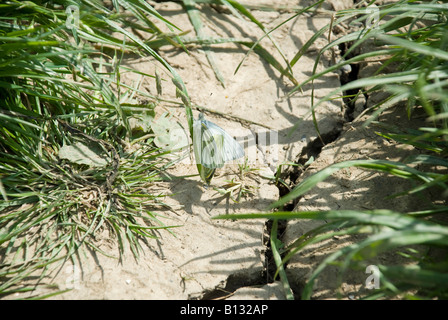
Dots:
(412, 35)
(68, 168)
(239, 188)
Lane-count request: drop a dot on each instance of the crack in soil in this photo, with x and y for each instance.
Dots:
(236, 281)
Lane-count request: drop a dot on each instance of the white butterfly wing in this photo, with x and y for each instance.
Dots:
(214, 146)
(205, 146)
(197, 140)
(227, 148)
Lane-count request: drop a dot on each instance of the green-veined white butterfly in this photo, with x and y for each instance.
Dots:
(213, 147)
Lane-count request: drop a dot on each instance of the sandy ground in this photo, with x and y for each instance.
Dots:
(205, 258)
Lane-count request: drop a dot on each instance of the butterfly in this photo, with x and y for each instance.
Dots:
(213, 147)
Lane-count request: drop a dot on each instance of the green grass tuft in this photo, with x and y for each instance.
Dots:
(69, 169)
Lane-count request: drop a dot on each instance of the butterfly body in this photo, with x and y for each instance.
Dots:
(213, 147)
